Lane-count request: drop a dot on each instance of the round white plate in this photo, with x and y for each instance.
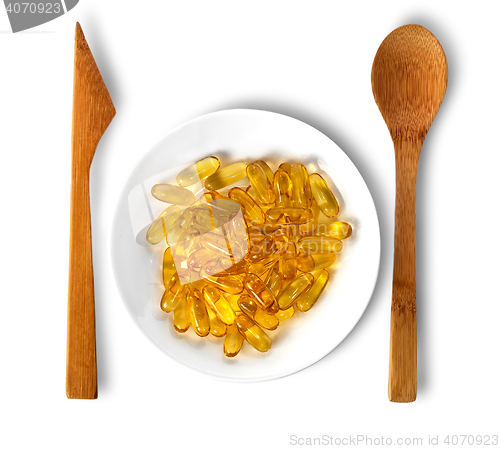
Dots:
(236, 135)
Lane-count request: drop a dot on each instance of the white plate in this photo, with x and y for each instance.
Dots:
(236, 135)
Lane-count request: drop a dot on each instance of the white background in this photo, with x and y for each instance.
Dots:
(165, 62)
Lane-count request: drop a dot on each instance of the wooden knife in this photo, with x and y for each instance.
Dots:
(93, 110)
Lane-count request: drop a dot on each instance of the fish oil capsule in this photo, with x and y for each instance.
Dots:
(288, 262)
(171, 299)
(263, 250)
(160, 227)
(274, 282)
(309, 299)
(226, 267)
(233, 302)
(251, 210)
(323, 195)
(266, 168)
(198, 171)
(257, 233)
(199, 284)
(263, 188)
(217, 327)
(228, 284)
(172, 283)
(253, 333)
(199, 258)
(233, 341)
(338, 229)
(168, 266)
(284, 315)
(310, 227)
(168, 193)
(226, 176)
(219, 304)
(313, 262)
(280, 238)
(216, 243)
(259, 291)
(182, 249)
(263, 268)
(251, 192)
(182, 319)
(301, 190)
(250, 308)
(282, 185)
(286, 167)
(198, 313)
(297, 288)
(295, 215)
(314, 244)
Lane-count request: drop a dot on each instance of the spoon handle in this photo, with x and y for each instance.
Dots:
(403, 346)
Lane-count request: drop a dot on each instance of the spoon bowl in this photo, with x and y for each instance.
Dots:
(409, 79)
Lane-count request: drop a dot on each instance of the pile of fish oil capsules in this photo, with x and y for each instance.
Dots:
(245, 255)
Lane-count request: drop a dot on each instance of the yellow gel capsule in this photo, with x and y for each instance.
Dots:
(280, 238)
(257, 233)
(172, 283)
(266, 168)
(233, 341)
(251, 192)
(217, 327)
(228, 284)
(295, 215)
(251, 210)
(259, 291)
(282, 185)
(217, 243)
(198, 171)
(298, 287)
(315, 210)
(168, 266)
(310, 227)
(171, 299)
(198, 313)
(219, 304)
(226, 176)
(214, 195)
(301, 190)
(324, 196)
(288, 262)
(160, 227)
(233, 302)
(274, 282)
(313, 262)
(199, 284)
(182, 318)
(199, 258)
(309, 299)
(314, 244)
(225, 267)
(253, 333)
(283, 315)
(259, 181)
(263, 250)
(286, 167)
(338, 229)
(250, 308)
(168, 193)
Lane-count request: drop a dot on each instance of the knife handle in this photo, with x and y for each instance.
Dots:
(81, 362)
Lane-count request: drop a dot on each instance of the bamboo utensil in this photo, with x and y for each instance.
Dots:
(409, 78)
(93, 110)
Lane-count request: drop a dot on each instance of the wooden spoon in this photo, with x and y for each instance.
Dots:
(409, 78)
(93, 110)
